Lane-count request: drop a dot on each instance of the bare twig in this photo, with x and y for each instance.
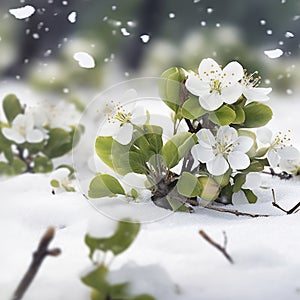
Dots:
(222, 249)
(234, 211)
(38, 256)
(293, 210)
(282, 175)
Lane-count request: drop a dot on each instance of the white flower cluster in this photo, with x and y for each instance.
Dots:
(31, 125)
(215, 86)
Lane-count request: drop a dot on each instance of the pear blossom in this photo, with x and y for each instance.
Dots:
(122, 120)
(61, 181)
(291, 166)
(23, 130)
(251, 91)
(277, 148)
(225, 150)
(215, 86)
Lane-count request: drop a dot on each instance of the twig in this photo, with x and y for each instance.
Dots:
(282, 175)
(293, 210)
(222, 249)
(38, 256)
(234, 212)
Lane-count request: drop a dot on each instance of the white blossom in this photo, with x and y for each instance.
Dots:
(23, 130)
(251, 91)
(291, 166)
(61, 181)
(225, 150)
(277, 147)
(122, 120)
(215, 86)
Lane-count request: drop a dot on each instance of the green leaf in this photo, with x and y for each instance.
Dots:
(5, 169)
(239, 115)
(59, 143)
(171, 87)
(143, 297)
(223, 180)
(42, 165)
(255, 166)
(12, 107)
(226, 194)
(134, 193)
(55, 183)
(188, 185)
(113, 154)
(118, 242)
(252, 135)
(239, 180)
(104, 185)
(97, 280)
(257, 114)
(262, 152)
(191, 108)
(251, 197)
(19, 166)
(223, 116)
(210, 189)
(177, 147)
(177, 205)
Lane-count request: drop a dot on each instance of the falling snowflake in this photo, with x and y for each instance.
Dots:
(22, 12)
(289, 34)
(84, 60)
(72, 17)
(171, 15)
(273, 53)
(124, 31)
(145, 38)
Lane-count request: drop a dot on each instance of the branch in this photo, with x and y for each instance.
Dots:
(293, 210)
(222, 249)
(234, 212)
(282, 175)
(38, 256)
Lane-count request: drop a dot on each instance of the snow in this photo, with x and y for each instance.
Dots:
(145, 38)
(273, 53)
(22, 12)
(167, 253)
(84, 60)
(169, 259)
(72, 17)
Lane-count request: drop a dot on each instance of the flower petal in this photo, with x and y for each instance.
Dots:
(206, 138)
(202, 154)
(34, 136)
(264, 135)
(238, 160)
(209, 69)
(243, 144)
(139, 115)
(211, 101)
(124, 134)
(13, 135)
(257, 94)
(231, 93)
(196, 86)
(226, 135)
(233, 72)
(288, 153)
(273, 158)
(253, 181)
(217, 166)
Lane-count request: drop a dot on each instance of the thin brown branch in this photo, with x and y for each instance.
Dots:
(282, 175)
(293, 210)
(234, 212)
(38, 256)
(222, 249)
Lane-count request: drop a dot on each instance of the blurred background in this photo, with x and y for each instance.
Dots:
(133, 38)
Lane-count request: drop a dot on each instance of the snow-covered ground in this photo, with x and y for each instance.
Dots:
(169, 259)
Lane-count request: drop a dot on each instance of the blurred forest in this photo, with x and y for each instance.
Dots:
(40, 49)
